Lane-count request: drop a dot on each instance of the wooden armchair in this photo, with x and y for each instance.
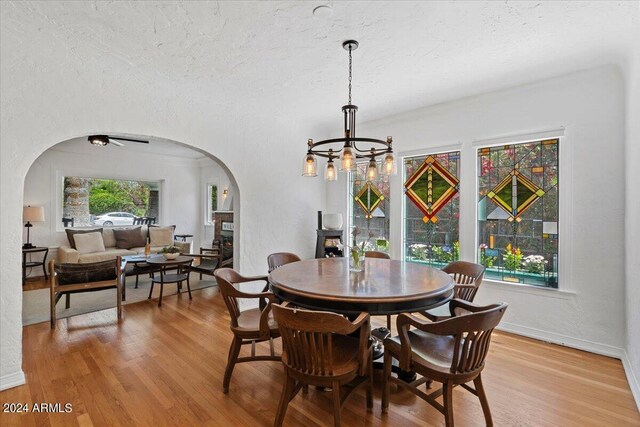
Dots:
(468, 277)
(248, 326)
(450, 351)
(67, 279)
(279, 259)
(208, 263)
(319, 349)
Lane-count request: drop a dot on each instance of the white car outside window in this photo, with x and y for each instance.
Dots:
(114, 218)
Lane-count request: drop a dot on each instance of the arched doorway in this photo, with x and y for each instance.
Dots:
(108, 186)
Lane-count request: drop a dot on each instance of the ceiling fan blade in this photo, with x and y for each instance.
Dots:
(141, 141)
(119, 144)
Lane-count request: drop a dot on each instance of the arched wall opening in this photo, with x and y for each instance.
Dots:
(180, 174)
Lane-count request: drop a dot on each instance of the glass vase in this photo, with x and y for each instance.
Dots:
(356, 259)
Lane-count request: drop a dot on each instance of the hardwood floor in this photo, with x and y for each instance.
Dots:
(164, 366)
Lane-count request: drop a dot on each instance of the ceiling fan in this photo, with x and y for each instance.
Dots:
(103, 140)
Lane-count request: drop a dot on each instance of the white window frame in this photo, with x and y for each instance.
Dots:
(208, 211)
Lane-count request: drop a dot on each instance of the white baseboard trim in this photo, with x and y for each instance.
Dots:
(12, 380)
(632, 378)
(552, 337)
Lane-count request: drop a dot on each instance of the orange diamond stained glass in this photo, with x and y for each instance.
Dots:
(430, 187)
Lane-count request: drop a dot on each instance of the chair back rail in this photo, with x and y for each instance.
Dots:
(308, 337)
(279, 259)
(468, 277)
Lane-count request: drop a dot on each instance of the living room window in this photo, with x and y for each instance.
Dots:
(108, 202)
(370, 208)
(212, 203)
(432, 208)
(518, 212)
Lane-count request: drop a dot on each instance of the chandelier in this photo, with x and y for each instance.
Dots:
(349, 148)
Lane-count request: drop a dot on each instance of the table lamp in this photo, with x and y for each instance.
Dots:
(29, 214)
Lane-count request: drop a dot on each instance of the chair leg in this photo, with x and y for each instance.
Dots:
(67, 300)
(137, 277)
(287, 388)
(119, 303)
(234, 351)
(151, 290)
(53, 309)
(161, 289)
(370, 384)
(189, 287)
(386, 377)
(335, 391)
(389, 322)
(483, 400)
(448, 404)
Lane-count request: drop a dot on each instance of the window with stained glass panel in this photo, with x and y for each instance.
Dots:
(432, 208)
(518, 212)
(370, 208)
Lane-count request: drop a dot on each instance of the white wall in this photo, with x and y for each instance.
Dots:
(180, 198)
(277, 207)
(632, 222)
(587, 312)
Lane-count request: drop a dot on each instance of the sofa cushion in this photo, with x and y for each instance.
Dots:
(161, 236)
(128, 238)
(104, 256)
(71, 232)
(108, 238)
(87, 243)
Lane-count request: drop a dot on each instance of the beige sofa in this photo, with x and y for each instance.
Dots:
(66, 254)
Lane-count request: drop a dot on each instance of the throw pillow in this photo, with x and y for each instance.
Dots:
(87, 243)
(129, 238)
(71, 233)
(161, 236)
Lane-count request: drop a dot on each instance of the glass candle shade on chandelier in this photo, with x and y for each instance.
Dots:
(349, 148)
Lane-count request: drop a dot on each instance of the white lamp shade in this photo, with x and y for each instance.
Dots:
(33, 214)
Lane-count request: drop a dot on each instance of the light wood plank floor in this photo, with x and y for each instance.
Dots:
(164, 366)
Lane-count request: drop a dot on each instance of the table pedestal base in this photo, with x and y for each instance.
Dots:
(378, 335)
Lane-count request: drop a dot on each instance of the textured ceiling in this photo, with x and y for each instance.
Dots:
(281, 58)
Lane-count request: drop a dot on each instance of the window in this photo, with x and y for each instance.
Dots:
(518, 212)
(432, 208)
(107, 202)
(370, 208)
(212, 203)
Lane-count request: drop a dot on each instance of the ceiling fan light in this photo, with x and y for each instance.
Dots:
(99, 140)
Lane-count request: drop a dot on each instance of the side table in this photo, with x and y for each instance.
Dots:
(30, 264)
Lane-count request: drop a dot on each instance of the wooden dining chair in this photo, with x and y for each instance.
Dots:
(468, 277)
(67, 279)
(279, 259)
(379, 255)
(450, 351)
(248, 326)
(319, 348)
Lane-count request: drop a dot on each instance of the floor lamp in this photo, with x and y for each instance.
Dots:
(29, 214)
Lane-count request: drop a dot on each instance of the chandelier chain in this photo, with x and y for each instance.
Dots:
(349, 74)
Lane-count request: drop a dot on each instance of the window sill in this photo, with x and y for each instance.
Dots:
(528, 289)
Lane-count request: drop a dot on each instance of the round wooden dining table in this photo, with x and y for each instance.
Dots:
(384, 287)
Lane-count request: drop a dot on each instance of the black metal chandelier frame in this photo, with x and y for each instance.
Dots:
(350, 140)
